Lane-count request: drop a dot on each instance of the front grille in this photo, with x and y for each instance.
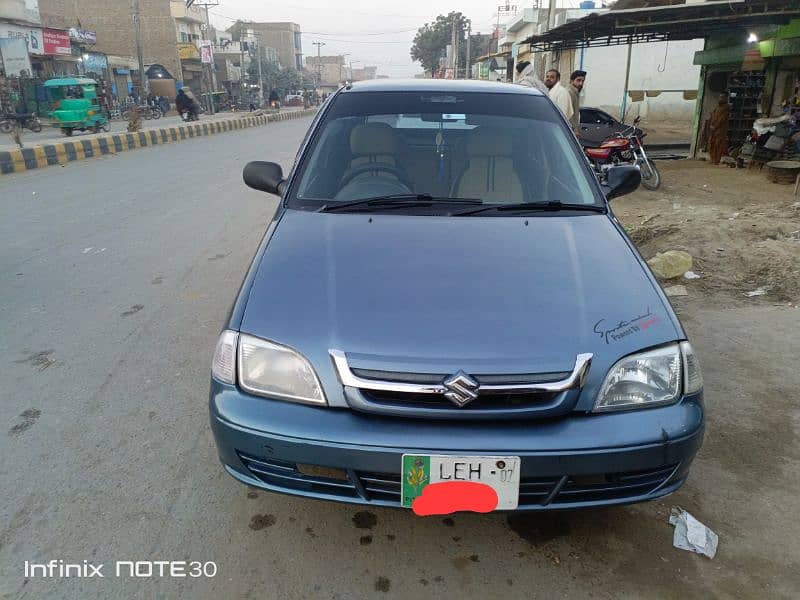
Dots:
(482, 402)
(384, 488)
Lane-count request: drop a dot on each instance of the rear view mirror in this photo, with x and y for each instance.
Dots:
(621, 180)
(264, 176)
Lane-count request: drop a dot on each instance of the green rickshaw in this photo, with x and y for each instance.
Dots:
(74, 105)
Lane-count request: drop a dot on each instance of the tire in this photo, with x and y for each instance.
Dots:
(67, 131)
(126, 115)
(653, 181)
(35, 126)
(157, 114)
(6, 126)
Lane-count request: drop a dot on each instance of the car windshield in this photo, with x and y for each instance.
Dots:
(498, 149)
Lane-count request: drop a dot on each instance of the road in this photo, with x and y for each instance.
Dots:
(49, 134)
(117, 274)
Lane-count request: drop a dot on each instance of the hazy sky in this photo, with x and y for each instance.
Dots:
(378, 32)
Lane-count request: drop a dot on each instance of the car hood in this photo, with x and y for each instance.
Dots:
(438, 294)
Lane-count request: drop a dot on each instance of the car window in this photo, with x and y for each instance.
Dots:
(497, 149)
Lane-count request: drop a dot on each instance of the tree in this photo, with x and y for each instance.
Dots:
(431, 41)
(275, 78)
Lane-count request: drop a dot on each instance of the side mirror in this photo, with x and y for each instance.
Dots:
(265, 177)
(621, 180)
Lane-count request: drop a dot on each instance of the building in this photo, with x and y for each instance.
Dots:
(285, 38)
(329, 71)
(363, 74)
(167, 30)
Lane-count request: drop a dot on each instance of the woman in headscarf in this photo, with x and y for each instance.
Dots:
(718, 130)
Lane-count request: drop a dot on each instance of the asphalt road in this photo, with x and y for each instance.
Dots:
(116, 275)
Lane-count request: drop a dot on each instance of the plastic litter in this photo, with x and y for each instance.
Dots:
(676, 290)
(757, 292)
(691, 275)
(692, 535)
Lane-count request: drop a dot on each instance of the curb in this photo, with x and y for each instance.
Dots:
(60, 153)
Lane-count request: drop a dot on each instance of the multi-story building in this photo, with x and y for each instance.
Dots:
(285, 38)
(165, 24)
(330, 71)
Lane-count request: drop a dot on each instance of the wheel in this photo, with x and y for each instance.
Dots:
(35, 126)
(67, 131)
(126, 114)
(651, 178)
(6, 126)
(147, 115)
(157, 113)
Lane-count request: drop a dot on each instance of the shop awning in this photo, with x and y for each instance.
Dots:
(676, 22)
(485, 57)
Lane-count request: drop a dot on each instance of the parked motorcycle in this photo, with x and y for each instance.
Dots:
(624, 148)
(146, 112)
(28, 121)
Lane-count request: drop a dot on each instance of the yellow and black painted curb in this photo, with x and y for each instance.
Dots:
(59, 153)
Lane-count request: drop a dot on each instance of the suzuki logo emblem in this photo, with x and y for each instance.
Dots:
(462, 389)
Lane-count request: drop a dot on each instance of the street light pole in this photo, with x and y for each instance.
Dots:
(260, 75)
(144, 84)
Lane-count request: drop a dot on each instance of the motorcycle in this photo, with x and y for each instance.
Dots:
(624, 148)
(29, 121)
(190, 115)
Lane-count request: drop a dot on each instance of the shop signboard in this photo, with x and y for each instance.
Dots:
(14, 52)
(206, 52)
(56, 42)
(94, 62)
(81, 36)
(32, 35)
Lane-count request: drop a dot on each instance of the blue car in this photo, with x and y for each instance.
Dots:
(445, 314)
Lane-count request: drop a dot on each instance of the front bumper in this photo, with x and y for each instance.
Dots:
(571, 462)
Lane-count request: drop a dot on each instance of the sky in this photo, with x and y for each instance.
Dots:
(379, 32)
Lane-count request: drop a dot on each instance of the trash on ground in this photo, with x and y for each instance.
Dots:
(757, 292)
(691, 275)
(720, 249)
(676, 290)
(691, 534)
(733, 216)
(670, 264)
(650, 218)
(677, 205)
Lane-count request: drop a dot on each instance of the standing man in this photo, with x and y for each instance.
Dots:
(718, 134)
(576, 81)
(526, 77)
(558, 93)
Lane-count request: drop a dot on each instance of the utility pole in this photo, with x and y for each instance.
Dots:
(209, 69)
(468, 74)
(144, 84)
(453, 46)
(260, 75)
(319, 46)
(457, 30)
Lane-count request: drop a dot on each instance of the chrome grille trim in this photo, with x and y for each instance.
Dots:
(575, 379)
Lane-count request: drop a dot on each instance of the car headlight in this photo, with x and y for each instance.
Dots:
(272, 370)
(651, 378)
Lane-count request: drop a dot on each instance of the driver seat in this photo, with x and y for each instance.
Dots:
(374, 143)
(490, 173)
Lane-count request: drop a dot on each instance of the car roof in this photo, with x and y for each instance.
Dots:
(439, 85)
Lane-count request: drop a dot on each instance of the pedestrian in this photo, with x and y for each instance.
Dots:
(526, 77)
(576, 82)
(558, 93)
(718, 129)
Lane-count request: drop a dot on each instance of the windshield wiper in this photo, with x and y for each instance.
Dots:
(399, 200)
(552, 205)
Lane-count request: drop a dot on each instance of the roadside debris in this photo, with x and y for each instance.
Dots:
(691, 534)
(676, 290)
(757, 292)
(670, 264)
(691, 275)
(650, 218)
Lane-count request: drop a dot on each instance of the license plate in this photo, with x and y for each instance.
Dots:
(421, 471)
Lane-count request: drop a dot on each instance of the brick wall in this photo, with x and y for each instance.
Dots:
(112, 20)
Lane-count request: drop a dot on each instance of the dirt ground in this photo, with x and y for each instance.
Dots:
(742, 231)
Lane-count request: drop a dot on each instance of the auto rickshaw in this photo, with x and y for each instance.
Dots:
(74, 105)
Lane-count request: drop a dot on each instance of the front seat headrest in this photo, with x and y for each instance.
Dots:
(373, 138)
(489, 144)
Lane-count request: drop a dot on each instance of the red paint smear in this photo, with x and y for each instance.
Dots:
(652, 321)
(451, 496)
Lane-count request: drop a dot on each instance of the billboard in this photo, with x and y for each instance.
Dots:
(56, 42)
(14, 52)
